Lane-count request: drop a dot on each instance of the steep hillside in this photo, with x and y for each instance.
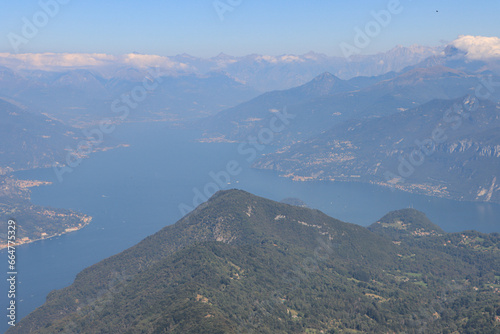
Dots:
(244, 264)
(29, 140)
(327, 101)
(446, 148)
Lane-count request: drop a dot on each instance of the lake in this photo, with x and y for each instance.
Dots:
(135, 191)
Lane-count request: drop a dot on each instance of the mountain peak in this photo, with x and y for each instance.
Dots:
(222, 55)
(405, 223)
(325, 76)
(232, 218)
(326, 84)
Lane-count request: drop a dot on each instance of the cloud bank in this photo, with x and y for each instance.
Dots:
(470, 47)
(478, 47)
(62, 61)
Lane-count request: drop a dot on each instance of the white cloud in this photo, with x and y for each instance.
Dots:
(62, 61)
(269, 59)
(47, 61)
(279, 59)
(478, 47)
(290, 59)
(142, 61)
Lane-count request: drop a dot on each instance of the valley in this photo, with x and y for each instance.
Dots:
(240, 194)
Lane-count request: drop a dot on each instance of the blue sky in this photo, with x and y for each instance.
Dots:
(271, 27)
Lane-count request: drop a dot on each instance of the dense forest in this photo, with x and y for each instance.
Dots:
(243, 264)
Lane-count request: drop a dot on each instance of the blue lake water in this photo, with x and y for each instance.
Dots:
(133, 192)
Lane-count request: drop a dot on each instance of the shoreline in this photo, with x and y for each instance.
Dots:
(18, 190)
(409, 189)
(86, 221)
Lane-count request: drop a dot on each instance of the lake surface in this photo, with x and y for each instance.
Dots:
(133, 192)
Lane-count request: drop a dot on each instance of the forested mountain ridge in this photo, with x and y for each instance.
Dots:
(405, 223)
(240, 263)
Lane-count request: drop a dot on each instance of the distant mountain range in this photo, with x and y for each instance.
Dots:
(83, 97)
(261, 72)
(371, 129)
(269, 73)
(80, 89)
(244, 264)
(327, 101)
